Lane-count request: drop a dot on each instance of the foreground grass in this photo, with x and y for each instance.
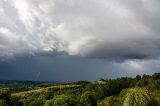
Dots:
(133, 97)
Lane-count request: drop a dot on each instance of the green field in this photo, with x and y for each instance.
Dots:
(46, 89)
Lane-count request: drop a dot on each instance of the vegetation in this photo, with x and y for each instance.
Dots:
(139, 91)
(139, 97)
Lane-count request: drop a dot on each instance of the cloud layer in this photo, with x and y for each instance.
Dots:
(89, 28)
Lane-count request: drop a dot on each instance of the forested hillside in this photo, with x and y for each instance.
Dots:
(139, 91)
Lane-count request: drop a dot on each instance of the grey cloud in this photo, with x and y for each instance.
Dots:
(127, 49)
(124, 29)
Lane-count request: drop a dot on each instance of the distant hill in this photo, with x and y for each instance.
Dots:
(28, 82)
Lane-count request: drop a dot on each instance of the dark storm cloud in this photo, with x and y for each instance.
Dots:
(68, 68)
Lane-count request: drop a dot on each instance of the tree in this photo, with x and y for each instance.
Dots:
(5, 96)
(145, 76)
(138, 77)
(157, 84)
(37, 102)
(3, 102)
(156, 76)
(142, 83)
(61, 100)
(88, 99)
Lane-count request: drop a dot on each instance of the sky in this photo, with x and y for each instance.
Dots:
(71, 40)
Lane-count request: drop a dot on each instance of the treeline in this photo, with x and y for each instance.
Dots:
(86, 94)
